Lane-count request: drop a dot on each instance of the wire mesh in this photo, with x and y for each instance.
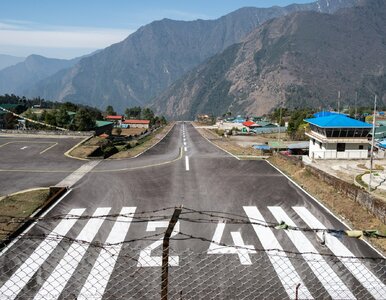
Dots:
(48, 268)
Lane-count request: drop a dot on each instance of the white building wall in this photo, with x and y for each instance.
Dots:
(329, 151)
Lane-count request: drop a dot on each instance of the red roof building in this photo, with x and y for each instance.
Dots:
(137, 123)
(114, 118)
(250, 124)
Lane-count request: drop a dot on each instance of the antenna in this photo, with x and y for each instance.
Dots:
(338, 102)
(356, 100)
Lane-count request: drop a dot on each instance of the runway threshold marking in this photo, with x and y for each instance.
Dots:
(372, 283)
(73, 178)
(25, 272)
(55, 284)
(286, 272)
(326, 275)
(99, 276)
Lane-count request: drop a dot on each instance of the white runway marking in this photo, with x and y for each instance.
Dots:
(73, 178)
(241, 249)
(331, 282)
(145, 259)
(103, 267)
(25, 272)
(281, 263)
(185, 148)
(54, 285)
(25, 147)
(187, 163)
(372, 283)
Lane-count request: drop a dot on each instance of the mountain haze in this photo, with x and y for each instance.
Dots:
(137, 69)
(9, 60)
(15, 79)
(298, 60)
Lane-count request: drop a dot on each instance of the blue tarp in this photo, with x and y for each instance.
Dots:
(262, 147)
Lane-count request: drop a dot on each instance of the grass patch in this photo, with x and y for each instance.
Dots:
(19, 206)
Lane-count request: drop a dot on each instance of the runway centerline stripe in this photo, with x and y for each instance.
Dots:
(326, 275)
(100, 274)
(371, 282)
(25, 272)
(281, 263)
(54, 285)
(187, 163)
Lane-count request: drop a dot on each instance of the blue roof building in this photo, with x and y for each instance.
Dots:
(338, 137)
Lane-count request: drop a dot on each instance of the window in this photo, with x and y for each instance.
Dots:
(360, 147)
(341, 147)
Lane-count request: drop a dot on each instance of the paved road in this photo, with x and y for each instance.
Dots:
(221, 197)
(30, 162)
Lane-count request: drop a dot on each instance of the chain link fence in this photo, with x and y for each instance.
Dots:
(54, 267)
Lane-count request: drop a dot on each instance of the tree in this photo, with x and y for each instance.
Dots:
(62, 117)
(110, 111)
(133, 112)
(84, 120)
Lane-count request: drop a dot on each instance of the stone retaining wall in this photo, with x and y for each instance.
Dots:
(48, 132)
(372, 203)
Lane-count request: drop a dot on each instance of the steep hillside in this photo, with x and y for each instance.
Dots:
(302, 59)
(135, 70)
(14, 79)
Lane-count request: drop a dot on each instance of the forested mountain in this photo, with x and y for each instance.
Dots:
(298, 60)
(137, 69)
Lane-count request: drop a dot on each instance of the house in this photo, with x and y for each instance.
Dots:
(137, 123)
(117, 120)
(103, 127)
(250, 124)
(338, 137)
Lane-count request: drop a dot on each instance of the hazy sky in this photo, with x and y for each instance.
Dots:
(70, 28)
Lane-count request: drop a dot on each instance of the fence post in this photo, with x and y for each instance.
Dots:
(165, 253)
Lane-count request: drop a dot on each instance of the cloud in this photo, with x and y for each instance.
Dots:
(19, 33)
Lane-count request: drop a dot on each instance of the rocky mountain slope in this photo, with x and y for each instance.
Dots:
(135, 70)
(302, 59)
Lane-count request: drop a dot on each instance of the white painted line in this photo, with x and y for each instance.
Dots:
(100, 274)
(54, 285)
(33, 224)
(184, 143)
(25, 147)
(326, 275)
(24, 273)
(372, 283)
(281, 263)
(321, 204)
(187, 163)
(73, 178)
(241, 249)
(145, 259)
(48, 148)
(185, 148)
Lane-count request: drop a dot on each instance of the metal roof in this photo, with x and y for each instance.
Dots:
(337, 121)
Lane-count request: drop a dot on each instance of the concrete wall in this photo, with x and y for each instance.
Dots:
(48, 132)
(373, 204)
(328, 151)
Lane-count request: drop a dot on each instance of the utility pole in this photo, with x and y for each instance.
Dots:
(165, 253)
(372, 143)
(338, 102)
(356, 100)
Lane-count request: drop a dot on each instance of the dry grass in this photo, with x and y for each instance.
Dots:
(19, 205)
(228, 145)
(129, 131)
(145, 143)
(352, 212)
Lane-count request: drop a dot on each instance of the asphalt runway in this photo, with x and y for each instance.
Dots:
(223, 247)
(30, 162)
